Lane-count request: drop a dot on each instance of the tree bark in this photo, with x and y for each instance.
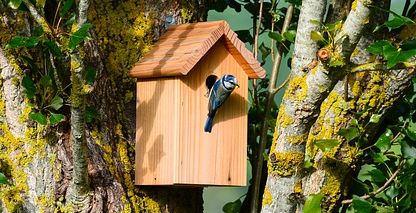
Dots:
(315, 106)
(38, 160)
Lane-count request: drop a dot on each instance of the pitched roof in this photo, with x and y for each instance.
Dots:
(182, 46)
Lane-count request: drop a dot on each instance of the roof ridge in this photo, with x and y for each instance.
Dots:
(165, 57)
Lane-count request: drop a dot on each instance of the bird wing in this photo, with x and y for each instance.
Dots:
(212, 105)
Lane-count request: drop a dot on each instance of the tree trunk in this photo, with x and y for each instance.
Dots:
(38, 159)
(317, 104)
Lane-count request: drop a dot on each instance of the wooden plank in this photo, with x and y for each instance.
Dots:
(217, 158)
(196, 25)
(156, 131)
(188, 33)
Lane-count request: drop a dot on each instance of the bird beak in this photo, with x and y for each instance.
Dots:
(237, 85)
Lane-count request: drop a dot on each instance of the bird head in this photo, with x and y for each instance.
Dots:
(230, 82)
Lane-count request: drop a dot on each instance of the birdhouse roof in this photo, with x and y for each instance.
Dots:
(182, 46)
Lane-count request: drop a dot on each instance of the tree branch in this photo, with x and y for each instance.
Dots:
(38, 17)
(78, 192)
(382, 188)
(270, 100)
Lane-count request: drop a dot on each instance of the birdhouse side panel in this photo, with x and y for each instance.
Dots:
(219, 157)
(157, 134)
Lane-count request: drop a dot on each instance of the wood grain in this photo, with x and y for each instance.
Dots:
(171, 146)
(184, 45)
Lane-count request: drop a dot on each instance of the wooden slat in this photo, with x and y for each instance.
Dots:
(155, 138)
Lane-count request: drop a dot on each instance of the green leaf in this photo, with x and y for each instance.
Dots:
(333, 27)
(29, 86)
(409, 45)
(396, 22)
(392, 61)
(56, 118)
(364, 173)
(313, 203)
(70, 20)
(405, 55)
(276, 36)
(67, 6)
(79, 36)
(384, 209)
(40, 3)
(21, 41)
(244, 35)
(14, 4)
(90, 75)
(408, 151)
(326, 144)
(360, 205)
(54, 48)
(336, 62)
(316, 22)
(377, 175)
(290, 35)
(56, 103)
(392, 192)
(307, 162)
(46, 81)
(265, 51)
(90, 114)
(3, 179)
(375, 118)
(38, 117)
(379, 157)
(232, 207)
(317, 36)
(384, 141)
(349, 133)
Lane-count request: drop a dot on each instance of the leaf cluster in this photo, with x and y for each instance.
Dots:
(45, 55)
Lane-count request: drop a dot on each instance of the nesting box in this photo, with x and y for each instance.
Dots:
(171, 145)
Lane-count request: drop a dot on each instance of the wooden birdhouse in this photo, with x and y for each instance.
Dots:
(171, 145)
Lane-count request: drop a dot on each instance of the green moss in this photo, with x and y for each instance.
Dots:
(285, 164)
(188, 11)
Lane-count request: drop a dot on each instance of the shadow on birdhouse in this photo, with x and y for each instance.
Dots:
(172, 79)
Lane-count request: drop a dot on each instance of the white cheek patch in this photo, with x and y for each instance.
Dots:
(228, 85)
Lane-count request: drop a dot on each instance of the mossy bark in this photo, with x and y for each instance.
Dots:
(39, 161)
(317, 104)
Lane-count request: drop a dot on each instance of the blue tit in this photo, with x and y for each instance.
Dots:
(219, 93)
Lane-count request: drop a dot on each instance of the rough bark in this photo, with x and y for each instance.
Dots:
(39, 161)
(311, 84)
(315, 107)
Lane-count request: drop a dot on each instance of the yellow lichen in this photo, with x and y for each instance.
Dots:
(285, 164)
(283, 118)
(297, 88)
(267, 197)
(297, 139)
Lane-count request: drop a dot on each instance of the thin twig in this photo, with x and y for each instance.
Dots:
(277, 89)
(38, 17)
(270, 99)
(406, 8)
(55, 74)
(381, 189)
(256, 34)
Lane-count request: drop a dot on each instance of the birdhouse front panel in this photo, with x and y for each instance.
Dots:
(219, 157)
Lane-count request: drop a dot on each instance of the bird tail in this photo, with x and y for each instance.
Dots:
(208, 124)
